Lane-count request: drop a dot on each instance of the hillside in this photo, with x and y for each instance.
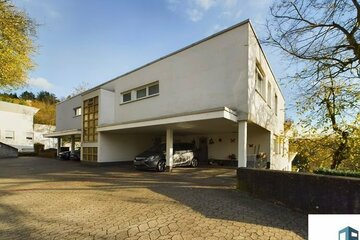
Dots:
(46, 114)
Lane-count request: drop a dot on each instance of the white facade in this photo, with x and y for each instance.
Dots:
(16, 126)
(208, 90)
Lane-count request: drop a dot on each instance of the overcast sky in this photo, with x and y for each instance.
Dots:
(94, 41)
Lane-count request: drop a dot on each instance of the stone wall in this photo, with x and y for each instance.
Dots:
(305, 192)
(7, 151)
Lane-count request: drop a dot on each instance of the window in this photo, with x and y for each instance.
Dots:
(154, 89)
(90, 119)
(269, 94)
(9, 134)
(77, 111)
(276, 104)
(259, 80)
(141, 93)
(90, 154)
(29, 135)
(127, 97)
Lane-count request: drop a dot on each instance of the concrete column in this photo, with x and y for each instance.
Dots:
(72, 143)
(242, 143)
(58, 145)
(169, 148)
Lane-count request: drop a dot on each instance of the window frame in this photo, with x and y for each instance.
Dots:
(125, 94)
(262, 80)
(153, 85)
(143, 89)
(76, 114)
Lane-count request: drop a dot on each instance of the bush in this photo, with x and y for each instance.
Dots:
(324, 171)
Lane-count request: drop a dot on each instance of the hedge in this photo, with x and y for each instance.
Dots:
(332, 172)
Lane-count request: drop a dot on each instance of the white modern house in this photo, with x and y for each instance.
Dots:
(16, 126)
(219, 92)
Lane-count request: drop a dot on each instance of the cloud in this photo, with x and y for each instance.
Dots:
(194, 14)
(40, 83)
(205, 4)
(196, 10)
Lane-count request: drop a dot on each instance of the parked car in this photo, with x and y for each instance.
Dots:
(68, 155)
(155, 157)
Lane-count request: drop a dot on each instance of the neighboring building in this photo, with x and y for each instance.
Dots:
(219, 93)
(16, 126)
(42, 129)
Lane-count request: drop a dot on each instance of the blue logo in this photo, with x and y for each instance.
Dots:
(348, 233)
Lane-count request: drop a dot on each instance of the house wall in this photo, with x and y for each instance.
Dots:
(65, 115)
(117, 147)
(106, 107)
(209, 75)
(261, 111)
(20, 124)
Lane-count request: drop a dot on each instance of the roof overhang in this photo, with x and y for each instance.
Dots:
(63, 133)
(222, 113)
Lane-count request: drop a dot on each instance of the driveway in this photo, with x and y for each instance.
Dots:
(49, 199)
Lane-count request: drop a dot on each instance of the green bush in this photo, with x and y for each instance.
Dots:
(324, 171)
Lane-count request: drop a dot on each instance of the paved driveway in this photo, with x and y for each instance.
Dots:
(49, 199)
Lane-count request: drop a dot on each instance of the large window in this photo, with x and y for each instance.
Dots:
(90, 154)
(90, 119)
(260, 80)
(142, 92)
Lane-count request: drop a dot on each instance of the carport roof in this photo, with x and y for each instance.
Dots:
(178, 120)
(63, 133)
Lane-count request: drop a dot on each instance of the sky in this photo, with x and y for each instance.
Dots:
(88, 42)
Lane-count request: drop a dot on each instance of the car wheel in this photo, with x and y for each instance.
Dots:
(161, 166)
(194, 162)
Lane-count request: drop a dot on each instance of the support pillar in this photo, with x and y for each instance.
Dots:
(58, 145)
(169, 149)
(72, 143)
(242, 143)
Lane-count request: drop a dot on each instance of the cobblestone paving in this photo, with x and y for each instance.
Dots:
(50, 199)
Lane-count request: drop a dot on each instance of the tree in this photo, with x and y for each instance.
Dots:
(323, 38)
(46, 97)
(82, 87)
(16, 45)
(27, 95)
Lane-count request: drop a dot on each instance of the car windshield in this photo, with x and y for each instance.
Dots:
(157, 148)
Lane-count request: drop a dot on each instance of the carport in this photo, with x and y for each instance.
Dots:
(73, 135)
(208, 123)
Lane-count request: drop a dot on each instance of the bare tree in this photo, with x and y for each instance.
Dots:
(322, 37)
